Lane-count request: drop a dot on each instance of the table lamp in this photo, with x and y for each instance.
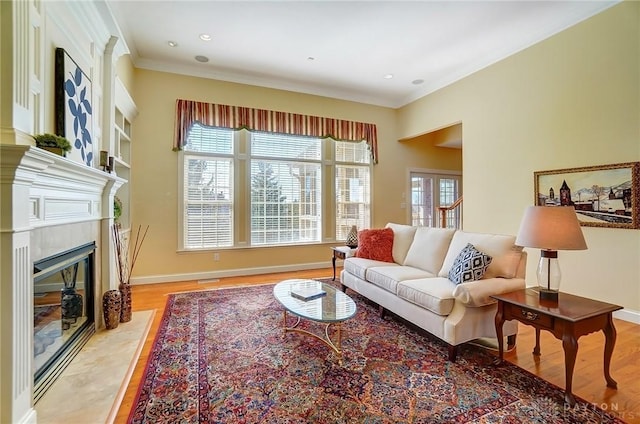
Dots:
(550, 228)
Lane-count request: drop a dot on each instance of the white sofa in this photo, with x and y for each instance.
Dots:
(416, 286)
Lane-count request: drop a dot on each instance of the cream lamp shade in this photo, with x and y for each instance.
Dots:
(550, 228)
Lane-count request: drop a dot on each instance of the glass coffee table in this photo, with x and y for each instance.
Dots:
(332, 308)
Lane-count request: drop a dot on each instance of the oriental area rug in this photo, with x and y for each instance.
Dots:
(220, 356)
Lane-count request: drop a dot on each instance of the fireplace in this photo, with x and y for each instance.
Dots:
(63, 311)
(56, 213)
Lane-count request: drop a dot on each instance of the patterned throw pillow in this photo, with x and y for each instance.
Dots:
(470, 265)
(376, 244)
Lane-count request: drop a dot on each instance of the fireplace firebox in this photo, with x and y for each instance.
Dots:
(63, 311)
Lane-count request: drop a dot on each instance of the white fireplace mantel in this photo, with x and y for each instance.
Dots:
(60, 190)
(38, 191)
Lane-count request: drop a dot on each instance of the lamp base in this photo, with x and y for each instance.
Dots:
(550, 295)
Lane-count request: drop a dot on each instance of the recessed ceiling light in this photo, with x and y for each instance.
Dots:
(388, 76)
(205, 37)
(417, 81)
(172, 44)
(202, 59)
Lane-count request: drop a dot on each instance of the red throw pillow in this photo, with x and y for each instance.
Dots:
(376, 244)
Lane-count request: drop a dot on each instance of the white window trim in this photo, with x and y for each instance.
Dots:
(327, 202)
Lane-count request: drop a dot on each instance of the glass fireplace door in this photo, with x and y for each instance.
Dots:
(62, 310)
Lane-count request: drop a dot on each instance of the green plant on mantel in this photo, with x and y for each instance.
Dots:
(47, 140)
(117, 208)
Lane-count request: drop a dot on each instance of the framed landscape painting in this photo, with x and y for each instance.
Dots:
(73, 107)
(603, 196)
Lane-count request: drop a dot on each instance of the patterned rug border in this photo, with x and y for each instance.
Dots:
(583, 405)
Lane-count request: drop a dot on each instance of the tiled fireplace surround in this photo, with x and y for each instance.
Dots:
(49, 204)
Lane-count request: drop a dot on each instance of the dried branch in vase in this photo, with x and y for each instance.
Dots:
(124, 263)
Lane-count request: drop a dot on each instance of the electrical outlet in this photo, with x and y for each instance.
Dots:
(216, 256)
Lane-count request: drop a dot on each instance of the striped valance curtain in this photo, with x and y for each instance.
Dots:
(189, 112)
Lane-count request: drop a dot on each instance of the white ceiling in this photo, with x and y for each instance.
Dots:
(354, 44)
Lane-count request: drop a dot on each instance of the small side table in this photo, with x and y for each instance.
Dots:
(341, 252)
(567, 319)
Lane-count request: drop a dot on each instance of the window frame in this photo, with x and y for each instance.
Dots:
(241, 231)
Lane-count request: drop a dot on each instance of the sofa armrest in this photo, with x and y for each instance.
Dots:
(478, 293)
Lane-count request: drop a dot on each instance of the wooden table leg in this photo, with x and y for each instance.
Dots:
(610, 341)
(333, 262)
(570, 346)
(536, 349)
(499, 321)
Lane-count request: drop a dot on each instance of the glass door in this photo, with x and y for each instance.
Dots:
(429, 191)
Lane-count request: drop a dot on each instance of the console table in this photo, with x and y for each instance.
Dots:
(567, 319)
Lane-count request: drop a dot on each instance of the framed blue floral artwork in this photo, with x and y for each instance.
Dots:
(73, 107)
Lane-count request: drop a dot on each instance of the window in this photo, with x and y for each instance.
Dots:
(208, 188)
(277, 186)
(285, 189)
(353, 196)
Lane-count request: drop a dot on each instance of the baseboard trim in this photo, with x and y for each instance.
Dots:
(171, 278)
(30, 417)
(628, 315)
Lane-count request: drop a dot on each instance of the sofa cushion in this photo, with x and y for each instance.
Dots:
(402, 239)
(470, 265)
(387, 277)
(376, 244)
(429, 248)
(434, 294)
(499, 247)
(359, 266)
(506, 265)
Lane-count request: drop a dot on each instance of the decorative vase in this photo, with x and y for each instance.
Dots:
(70, 301)
(111, 300)
(125, 298)
(70, 307)
(352, 237)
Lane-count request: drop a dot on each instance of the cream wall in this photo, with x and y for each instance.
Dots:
(570, 101)
(155, 168)
(124, 71)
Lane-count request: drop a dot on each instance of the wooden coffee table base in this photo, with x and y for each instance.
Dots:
(568, 319)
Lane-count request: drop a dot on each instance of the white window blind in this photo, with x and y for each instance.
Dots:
(286, 194)
(353, 187)
(208, 188)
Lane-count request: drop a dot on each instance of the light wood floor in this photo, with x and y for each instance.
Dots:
(588, 380)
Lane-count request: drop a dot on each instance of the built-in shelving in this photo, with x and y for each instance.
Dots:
(124, 114)
(122, 139)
